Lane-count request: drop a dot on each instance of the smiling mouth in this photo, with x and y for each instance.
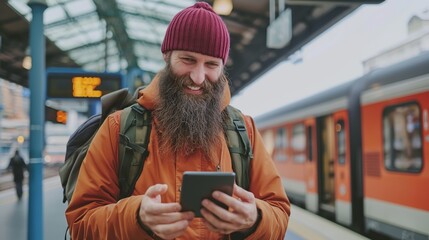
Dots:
(192, 89)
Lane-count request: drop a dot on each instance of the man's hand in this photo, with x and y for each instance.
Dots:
(163, 219)
(242, 214)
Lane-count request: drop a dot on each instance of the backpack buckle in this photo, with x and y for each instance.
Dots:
(239, 126)
(138, 108)
(124, 139)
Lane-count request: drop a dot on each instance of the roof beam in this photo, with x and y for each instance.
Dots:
(107, 8)
(87, 45)
(146, 17)
(61, 23)
(97, 59)
(94, 44)
(147, 43)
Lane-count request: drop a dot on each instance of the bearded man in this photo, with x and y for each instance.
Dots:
(188, 99)
(188, 111)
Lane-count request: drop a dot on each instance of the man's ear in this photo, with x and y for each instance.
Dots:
(166, 56)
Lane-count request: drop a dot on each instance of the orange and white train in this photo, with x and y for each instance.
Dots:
(358, 153)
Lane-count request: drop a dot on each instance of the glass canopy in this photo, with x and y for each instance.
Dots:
(108, 35)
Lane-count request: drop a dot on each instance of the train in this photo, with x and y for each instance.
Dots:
(358, 153)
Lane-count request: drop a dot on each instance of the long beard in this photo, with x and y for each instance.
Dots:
(188, 122)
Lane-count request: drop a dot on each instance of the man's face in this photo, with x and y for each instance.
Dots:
(198, 67)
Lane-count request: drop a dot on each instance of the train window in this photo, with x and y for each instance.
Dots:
(341, 141)
(281, 138)
(402, 138)
(298, 143)
(310, 143)
(281, 145)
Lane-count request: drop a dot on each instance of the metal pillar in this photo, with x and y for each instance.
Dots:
(37, 82)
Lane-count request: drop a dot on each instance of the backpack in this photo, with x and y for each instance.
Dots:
(134, 134)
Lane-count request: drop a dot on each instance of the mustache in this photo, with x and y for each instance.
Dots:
(185, 80)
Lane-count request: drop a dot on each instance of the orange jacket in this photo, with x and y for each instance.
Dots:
(95, 213)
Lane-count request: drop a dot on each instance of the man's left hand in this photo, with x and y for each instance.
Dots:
(241, 216)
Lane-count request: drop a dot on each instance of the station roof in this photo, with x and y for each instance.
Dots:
(113, 35)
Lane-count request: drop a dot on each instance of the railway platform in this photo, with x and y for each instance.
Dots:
(13, 215)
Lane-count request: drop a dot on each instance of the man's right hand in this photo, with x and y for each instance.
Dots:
(163, 219)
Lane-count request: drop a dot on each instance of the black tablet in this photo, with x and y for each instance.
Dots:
(197, 186)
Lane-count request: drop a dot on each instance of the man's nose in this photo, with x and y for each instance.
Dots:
(198, 75)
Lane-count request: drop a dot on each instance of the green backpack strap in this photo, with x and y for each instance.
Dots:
(239, 146)
(134, 137)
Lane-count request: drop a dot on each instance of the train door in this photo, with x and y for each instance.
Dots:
(312, 198)
(343, 204)
(326, 165)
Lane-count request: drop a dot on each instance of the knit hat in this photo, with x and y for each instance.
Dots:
(198, 29)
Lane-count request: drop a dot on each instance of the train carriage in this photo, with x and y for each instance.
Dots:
(357, 153)
(395, 148)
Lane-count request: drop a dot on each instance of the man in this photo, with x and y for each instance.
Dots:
(18, 166)
(187, 99)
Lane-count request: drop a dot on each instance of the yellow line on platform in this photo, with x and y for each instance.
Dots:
(310, 226)
(303, 231)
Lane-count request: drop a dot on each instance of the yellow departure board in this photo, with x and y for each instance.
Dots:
(74, 84)
(86, 87)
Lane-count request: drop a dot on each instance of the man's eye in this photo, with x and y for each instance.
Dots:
(188, 60)
(213, 65)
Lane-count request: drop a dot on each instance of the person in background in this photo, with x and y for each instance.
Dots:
(188, 100)
(18, 166)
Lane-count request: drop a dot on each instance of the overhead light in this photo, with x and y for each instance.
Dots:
(26, 62)
(222, 7)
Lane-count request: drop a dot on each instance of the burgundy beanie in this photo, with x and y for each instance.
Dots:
(198, 29)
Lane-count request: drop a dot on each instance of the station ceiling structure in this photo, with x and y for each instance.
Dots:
(116, 35)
